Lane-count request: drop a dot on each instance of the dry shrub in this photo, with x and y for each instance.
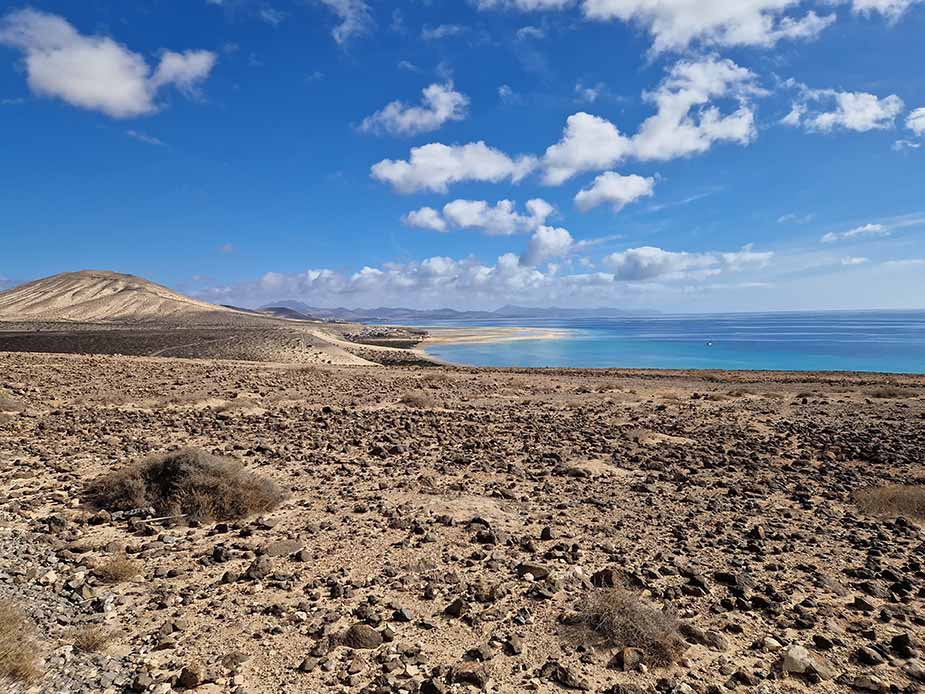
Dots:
(417, 399)
(893, 500)
(623, 620)
(17, 648)
(8, 404)
(117, 570)
(92, 638)
(187, 482)
(890, 392)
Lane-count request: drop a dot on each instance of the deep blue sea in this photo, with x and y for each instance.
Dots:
(886, 341)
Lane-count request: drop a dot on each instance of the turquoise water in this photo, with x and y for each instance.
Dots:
(885, 341)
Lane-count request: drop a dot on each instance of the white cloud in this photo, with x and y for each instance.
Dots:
(857, 232)
(857, 111)
(442, 31)
(523, 5)
(356, 18)
(676, 24)
(425, 218)
(95, 72)
(142, 137)
(892, 9)
(185, 70)
(440, 103)
(674, 132)
(915, 121)
(546, 244)
(530, 32)
(435, 166)
(853, 260)
(588, 143)
(615, 190)
(650, 263)
(747, 257)
(271, 16)
(502, 219)
(591, 143)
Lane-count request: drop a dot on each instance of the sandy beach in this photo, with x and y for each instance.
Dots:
(475, 335)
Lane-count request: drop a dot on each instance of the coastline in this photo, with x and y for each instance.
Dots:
(477, 335)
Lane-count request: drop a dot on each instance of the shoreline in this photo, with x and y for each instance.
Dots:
(483, 335)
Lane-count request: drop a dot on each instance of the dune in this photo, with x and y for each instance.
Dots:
(100, 296)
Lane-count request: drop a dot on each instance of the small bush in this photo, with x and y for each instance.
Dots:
(417, 400)
(91, 638)
(188, 482)
(117, 570)
(17, 648)
(624, 621)
(893, 500)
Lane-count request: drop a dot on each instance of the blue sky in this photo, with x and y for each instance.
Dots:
(679, 155)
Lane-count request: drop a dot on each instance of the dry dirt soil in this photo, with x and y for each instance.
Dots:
(456, 535)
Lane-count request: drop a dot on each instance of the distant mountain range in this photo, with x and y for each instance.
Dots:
(298, 309)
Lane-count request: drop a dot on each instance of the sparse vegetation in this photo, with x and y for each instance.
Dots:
(91, 638)
(17, 648)
(117, 570)
(187, 482)
(417, 399)
(893, 500)
(891, 393)
(623, 620)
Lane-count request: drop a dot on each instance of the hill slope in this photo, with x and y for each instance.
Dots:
(100, 296)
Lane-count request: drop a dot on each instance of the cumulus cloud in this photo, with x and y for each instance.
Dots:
(650, 263)
(915, 121)
(892, 9)
(674, 131)
(546, 244)
(532, 277)
(426, 218)
(501, 219)
(588, 143)
(866, 230)
(615, 190)
(440, 103)
(827, 110)
(435, 166)
(685, 122)
(96, 72)
(676, 24)
(356, 18)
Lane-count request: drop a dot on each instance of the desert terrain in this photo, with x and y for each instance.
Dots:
(219, 501)
(447, 529)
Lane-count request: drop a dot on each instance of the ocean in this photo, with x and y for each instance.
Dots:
(878, 341)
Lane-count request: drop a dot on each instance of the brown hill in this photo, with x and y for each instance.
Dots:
(101, 296)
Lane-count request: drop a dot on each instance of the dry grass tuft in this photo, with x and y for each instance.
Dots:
(188, 482)
(92, 638)
(17, 648)
(117, 570)
(417, 399)
(893, 500)
(9, 404)
(623, 620)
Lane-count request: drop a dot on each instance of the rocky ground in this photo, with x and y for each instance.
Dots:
(445, 526)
